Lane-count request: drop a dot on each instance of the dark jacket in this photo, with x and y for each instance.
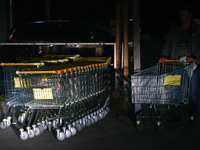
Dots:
(169, 49)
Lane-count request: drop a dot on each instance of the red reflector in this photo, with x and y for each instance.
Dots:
(73, 69)
(58, 86)
(67, 69)
(62, 70)
(55, 71)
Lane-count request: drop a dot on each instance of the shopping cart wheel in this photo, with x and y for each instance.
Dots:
(68, 134)
(3, 125)
(31, 133)
(100, 116)
(60, 136)
(192, 121)
(8, 123)
(87, 122)
(20, 119)
(95, 118)
(78, 127)
(160, 127)
(73, 131)
(105, 112)
(49, 126)
(108, 109)
(139, 126)
(41, 129)
(37, 131)
(24, 135)
(92, 121)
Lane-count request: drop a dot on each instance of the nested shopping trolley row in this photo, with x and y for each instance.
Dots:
(12, 82)
(65, 97)
(163, 84)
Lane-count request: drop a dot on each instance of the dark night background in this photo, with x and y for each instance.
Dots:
(155, 15)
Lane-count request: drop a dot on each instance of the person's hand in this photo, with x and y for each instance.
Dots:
(189, 59)
(162, 59)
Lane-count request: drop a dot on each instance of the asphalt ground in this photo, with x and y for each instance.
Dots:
(116, 131)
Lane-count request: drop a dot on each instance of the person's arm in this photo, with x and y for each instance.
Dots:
(168, 43)
(196, 55)
(167, 46)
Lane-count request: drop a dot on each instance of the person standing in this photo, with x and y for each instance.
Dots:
(184, 40)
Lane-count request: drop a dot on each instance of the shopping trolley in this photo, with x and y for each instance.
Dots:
(65, 98)
(163, 84)
(13, 88)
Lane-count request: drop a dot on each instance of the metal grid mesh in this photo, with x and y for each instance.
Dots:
(164, 83)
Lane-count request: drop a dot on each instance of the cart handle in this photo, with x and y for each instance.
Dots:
(176, 60)
(172, 60)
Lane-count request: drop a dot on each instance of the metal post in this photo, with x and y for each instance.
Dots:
(118, 35)
(117, 45)
(126, 59)
(126, 53)
(136, 42)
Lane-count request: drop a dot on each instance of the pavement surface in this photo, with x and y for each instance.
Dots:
(115, 131)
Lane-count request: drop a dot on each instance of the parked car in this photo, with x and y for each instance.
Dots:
(61, 31)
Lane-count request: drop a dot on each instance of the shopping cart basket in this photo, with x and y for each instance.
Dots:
(163, 84)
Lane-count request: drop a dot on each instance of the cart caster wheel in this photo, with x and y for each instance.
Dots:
(192, 121)
(41, 129)
(68, 134)
(37, 131)
(92, 121)
(24, 136)
(73, 131)
(20, 119)
(8, 124)
(108, 109)
(60, 136)
(78, 127)
(3, 125)
(31, 134)
(100, 116)
(139, 126)
(83, 125)
(88, 122)
(95, 118)
(105, 112)
(49, 126)
(160, 127)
